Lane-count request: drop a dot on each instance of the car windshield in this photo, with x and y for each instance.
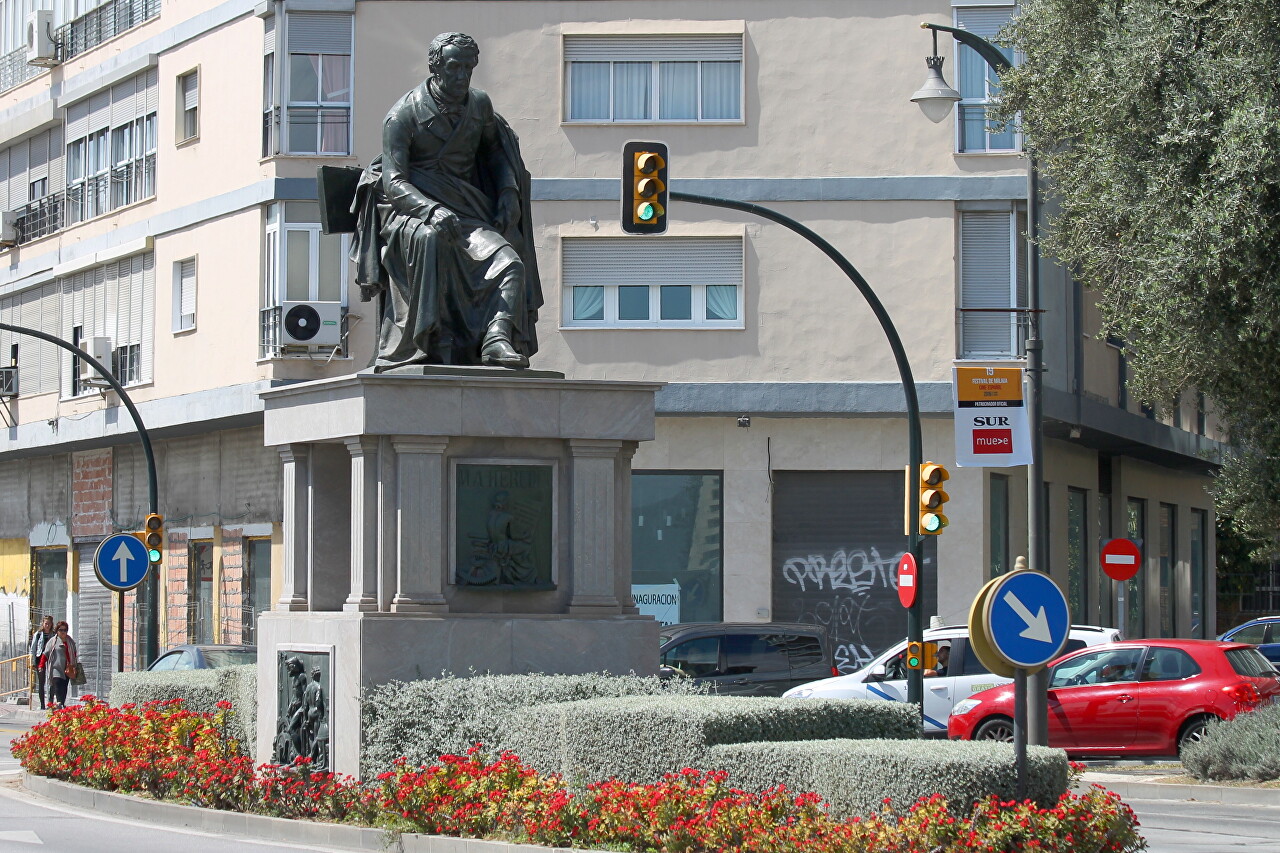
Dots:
(216, 658)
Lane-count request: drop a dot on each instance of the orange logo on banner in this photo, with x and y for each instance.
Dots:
(979, 384)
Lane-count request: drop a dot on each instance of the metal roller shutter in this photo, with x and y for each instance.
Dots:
(837, 539)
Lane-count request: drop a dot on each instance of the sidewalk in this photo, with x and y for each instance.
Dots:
(1141, 784)
(21, 713)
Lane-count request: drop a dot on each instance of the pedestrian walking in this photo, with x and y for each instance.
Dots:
(62, 663)
(39, 639)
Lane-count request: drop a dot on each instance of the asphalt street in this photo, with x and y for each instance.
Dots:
(1183, 826)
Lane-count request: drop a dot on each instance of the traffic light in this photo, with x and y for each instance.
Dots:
(644, 188)
(915, 655)
(932, 497)
(153, 537)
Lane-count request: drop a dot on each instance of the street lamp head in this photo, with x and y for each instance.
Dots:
(935, 97)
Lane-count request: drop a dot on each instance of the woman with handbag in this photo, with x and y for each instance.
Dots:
(38, 640)
(62, 663)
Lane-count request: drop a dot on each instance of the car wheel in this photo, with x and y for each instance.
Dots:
(1192, 732)
(999, 729)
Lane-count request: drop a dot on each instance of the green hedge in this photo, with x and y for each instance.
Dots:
(855, 776)
(1247, 747)
(422, 720)
(201, 690)
(638, 739)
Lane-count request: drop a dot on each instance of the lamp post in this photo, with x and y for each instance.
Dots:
(935, 98)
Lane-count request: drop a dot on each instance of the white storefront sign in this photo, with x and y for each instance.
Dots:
(992, 429)
(659, 600)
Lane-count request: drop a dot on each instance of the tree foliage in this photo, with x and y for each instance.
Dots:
(1158, 124)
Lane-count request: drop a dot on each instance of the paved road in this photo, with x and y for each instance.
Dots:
(1182, 826)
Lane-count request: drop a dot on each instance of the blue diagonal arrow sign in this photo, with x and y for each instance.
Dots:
(121, 561)
(1027, 619)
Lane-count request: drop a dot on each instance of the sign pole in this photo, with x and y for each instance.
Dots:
(1020, 732)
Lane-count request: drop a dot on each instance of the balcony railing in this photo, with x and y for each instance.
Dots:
(86, 199)
(14, 70)
(269, 332)
(105, 22)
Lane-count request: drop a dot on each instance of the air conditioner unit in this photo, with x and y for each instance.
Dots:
(100, 349)
(41, 48)
(312, 324)
(8, 227)
(9, 381)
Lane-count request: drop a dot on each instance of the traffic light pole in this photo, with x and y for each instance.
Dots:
(153, 621)
(915, 453)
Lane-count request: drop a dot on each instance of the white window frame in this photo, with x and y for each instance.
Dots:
(979, 19)
(276, 260)
(182, 280)
(188, 105)
(113, 163)
(279, 105)
(661, 245)
(654, 109)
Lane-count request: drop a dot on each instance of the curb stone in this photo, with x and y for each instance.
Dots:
(263, 827)
(1128, 789)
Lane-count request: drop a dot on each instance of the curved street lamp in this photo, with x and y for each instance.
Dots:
(935, 98)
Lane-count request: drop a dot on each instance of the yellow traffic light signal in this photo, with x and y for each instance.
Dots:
(915, 655)
(644, 188)
(932, 497)
(153, 537)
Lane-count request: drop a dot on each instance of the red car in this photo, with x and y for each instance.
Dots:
(1140, 697)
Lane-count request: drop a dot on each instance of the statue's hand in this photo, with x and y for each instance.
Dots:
(508, 210)
(446, 224)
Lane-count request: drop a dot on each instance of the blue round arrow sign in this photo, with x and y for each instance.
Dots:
(1027, 619)
(121, 561)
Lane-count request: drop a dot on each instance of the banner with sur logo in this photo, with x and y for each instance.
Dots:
(992, 430)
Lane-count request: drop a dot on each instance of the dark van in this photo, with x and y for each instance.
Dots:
(746, 658)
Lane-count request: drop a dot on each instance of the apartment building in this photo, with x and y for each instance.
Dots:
(159, 209)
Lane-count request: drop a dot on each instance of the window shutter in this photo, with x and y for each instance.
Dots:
(41, 311)
(190, 90)
(57, 161)
(77, 120)
(719, 48)
(320, 32)
(4, 181)
(38, 159)
(986, 266)
(144, 271)
(124, 102)
(18, 175)
(669, 260)
(984, 21)
(269, 35)
(149, 92)
(186, 297)
(100, 111)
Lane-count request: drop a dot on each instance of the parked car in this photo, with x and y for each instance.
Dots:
(204, 657)
(746, 658)
(885, 677)
(1143, 697)
(1263, 632)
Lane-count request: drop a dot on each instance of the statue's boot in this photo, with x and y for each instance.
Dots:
(498, 350)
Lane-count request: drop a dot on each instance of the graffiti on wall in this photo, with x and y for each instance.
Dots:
(853, 594)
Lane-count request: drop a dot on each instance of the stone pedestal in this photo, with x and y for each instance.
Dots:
(453, 522)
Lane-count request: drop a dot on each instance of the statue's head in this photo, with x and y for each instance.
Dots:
(294, 665)
(500, 500)
(452, 57)
(315, 673)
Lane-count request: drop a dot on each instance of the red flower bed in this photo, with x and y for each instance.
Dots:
(161, 750)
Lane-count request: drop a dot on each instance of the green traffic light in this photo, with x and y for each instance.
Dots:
(913, 662)
(645, 211)
(931, 522)
(153, 555)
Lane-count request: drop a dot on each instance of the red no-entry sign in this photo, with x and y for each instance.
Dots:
(908, 580)
(1120, 559)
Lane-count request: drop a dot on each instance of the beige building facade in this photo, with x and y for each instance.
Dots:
(160, 210)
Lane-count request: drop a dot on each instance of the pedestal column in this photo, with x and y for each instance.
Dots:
(296, 476)
(364, 524)
(420, 494)
(594, 517)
